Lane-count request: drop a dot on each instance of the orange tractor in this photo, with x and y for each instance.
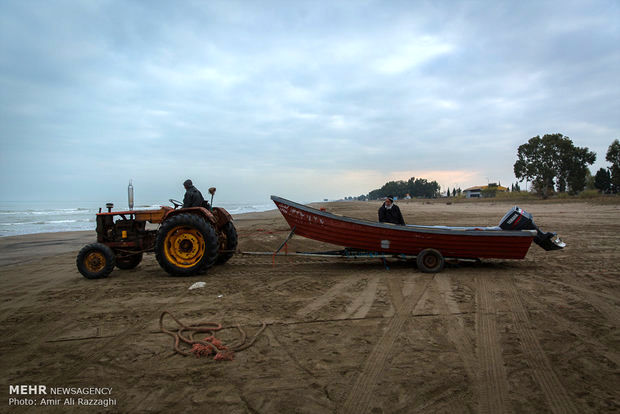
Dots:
(187, 242)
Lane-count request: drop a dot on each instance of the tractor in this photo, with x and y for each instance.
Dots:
(187, 242)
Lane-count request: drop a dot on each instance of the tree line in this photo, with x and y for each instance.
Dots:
(414, 187)
(551, 163)
(554, 163)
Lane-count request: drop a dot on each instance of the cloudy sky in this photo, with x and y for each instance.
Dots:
(303, 99)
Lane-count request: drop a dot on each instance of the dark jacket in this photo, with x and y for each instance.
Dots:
(193, 198)
(391, 215)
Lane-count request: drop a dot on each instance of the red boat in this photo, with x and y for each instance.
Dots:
(430, 244)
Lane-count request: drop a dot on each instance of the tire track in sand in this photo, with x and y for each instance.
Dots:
(606, 308)
(396, 288)
(551, 386)
(361, 305)
(324, 299)
(609, 311)
(18, 296)
(449, 310)
(359, 396)
(493, 381)
(357, 309)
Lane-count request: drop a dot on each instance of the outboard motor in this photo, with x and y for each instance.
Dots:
(519, 219)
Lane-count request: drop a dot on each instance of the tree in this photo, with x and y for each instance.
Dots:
(454, 192)
(535, 163)
(576, 162)
(448, 192)
(602, 180)
(415, 187)
(553, 161)
(613, 156)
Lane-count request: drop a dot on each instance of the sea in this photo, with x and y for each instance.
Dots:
(43, 216)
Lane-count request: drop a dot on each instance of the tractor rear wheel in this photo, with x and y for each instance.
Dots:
(228, 243)
(95, 261)
(186, 245)
(129, 261)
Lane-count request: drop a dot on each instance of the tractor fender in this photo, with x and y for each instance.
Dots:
(222, 216)
(199, 211)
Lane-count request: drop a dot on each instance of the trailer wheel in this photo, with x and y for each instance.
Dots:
(186, 245)
(129, 261)
(430, 261)
(228, 242)
(95, 261)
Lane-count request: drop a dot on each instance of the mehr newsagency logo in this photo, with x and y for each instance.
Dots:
(44, 396)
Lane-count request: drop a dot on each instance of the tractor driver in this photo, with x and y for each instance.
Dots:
(193, 197)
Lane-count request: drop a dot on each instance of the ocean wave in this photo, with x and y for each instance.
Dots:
(25, 223)
(250, 208)
(16, 220)
(47, 212)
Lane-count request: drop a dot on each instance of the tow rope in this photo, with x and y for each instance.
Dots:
(209, 345)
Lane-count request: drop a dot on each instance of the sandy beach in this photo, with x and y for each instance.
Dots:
(343, 336)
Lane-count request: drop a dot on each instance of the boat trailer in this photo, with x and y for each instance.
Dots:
(428, 261)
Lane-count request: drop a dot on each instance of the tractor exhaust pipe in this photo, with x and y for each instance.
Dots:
(130, 195)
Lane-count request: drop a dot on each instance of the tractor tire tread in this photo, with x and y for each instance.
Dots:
(210, 238)
(231, 243)
(109, 261)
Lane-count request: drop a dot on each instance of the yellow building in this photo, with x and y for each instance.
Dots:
(480, 190)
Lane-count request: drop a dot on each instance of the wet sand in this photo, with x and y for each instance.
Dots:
(533, 335)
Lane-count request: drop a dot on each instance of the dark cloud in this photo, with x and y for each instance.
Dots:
(258, 95)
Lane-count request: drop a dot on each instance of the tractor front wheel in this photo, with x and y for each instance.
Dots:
(95, 261)
(186, 245)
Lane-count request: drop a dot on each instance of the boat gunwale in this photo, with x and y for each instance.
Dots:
(444, 230)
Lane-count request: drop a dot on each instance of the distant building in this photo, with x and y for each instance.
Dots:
(483, 191)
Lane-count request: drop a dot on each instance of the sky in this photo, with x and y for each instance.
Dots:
(302, 99)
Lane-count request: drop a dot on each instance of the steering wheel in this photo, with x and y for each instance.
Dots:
(176, 203)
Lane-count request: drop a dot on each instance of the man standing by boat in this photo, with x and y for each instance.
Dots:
(193, 197)
(390, 213)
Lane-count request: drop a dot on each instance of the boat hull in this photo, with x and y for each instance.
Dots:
(451, 242)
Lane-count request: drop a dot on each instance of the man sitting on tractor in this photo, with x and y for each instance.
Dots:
(193, 197)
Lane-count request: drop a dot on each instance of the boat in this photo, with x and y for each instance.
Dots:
(511, 239)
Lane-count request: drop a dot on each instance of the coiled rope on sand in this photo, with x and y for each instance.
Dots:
(209, 345)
